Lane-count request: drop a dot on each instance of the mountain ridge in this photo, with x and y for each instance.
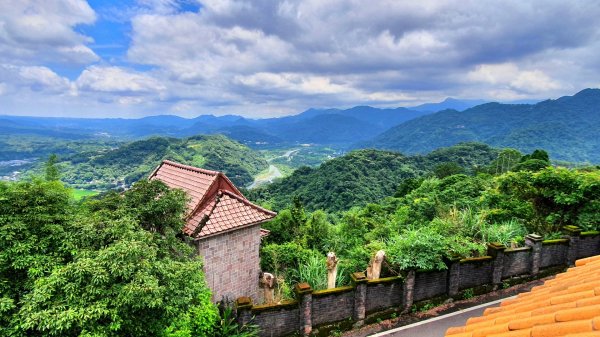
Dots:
(566, 127)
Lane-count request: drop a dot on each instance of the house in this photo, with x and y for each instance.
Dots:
(568, 305)
(224, 226)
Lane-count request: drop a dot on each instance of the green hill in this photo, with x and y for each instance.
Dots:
(566, 127)
(130, 162)
(364, 176)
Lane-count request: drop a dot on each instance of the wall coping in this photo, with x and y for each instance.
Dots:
(340, 290)
(556, 242)
(516, 250)
(385, 280)
(277, 306)
(476, 259)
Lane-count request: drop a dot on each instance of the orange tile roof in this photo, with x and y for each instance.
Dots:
(568, 305)
(216, 205)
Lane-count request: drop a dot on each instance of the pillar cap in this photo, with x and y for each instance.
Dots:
(572, 230)
(534, 237)
(359, 277)
(243, 302)
(303, 288)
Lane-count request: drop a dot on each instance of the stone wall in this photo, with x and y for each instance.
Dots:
(315, 310)
(516, 261)
(384, 293)
(231, 263)
(429, 284)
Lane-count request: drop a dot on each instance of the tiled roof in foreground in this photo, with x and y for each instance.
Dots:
(568, 305)
(216, 205)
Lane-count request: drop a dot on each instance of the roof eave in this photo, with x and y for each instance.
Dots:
(231, 230)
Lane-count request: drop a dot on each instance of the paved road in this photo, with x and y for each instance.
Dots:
(436, 327)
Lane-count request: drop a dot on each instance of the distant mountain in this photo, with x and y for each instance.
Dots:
(135, 160)
(328, 126)
(364, 176)
(448, 103)
(568, 128)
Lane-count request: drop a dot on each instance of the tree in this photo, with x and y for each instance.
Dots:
(447, 169)
(97, 270)
(52, 173)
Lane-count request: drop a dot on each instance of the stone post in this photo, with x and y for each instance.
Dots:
(573, 232)
(360, 298)
(243, 306)
(453, 276)
(535, 242)
(408, 287)
(267, 282)
(374, 270)
(496, 250)
(332, 262)
(304, 294)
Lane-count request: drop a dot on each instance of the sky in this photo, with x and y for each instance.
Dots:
(134, 58)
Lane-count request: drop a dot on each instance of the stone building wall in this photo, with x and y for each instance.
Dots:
(231, 263)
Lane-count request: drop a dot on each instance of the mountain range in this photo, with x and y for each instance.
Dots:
(568, 128)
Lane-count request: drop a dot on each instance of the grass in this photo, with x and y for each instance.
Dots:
(78, 194)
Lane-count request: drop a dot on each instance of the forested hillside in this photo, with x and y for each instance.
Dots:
(566, 127)
(364, 176)
(133, 161)
(432, 219)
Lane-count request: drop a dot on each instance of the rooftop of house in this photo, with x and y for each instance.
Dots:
(567, 305)
(216, 206)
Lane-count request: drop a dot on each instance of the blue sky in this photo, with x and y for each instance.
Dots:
(271, 58)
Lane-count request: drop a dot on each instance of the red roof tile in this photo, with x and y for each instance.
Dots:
(568, 305)
(216, 205)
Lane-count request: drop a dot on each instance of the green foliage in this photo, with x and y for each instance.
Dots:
(455, 216)
(279, 258)
(365, 176)
(421, 249)
(228, 327)
(97, 270)
(122, 166)
(314, 272)
(444, 170)
(51, 169)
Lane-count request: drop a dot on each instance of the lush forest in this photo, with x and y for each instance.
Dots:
(428, 218)
(566, 127)
(365, 176)
(113, 266)
(122, 166)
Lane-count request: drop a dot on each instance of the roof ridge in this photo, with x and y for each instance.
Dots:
(247, 202)
(191, 168)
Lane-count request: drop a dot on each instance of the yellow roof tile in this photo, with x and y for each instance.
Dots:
(568, 305)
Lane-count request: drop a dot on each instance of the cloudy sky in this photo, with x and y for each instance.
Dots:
(270, 58)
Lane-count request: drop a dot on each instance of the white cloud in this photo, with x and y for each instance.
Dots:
(510, 78)
(264, 57)
(117, 80)
(44, 31)
(33, 78)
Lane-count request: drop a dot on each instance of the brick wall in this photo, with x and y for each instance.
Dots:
(231, 263)
(429, 284)
(516, 261)
(554, 253)
(587, 244)
(320, 308)
(277, 320)
(383, 294)
(475, 272)
(331, 306)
